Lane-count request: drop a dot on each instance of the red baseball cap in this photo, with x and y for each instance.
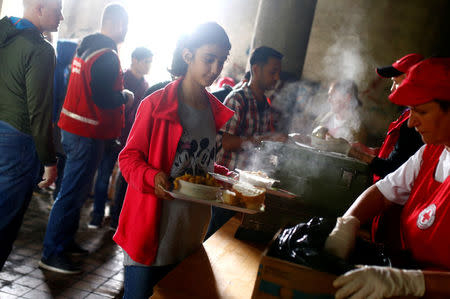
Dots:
(399, 67)
(426, 81)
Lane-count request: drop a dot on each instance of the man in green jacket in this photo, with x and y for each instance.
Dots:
(26, 87)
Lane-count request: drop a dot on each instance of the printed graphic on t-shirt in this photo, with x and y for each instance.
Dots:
(193, 156)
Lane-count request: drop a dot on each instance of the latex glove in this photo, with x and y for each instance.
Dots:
(50, 174)
(375, 282)
(341, 240)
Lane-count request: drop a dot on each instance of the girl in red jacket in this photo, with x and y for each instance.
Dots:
(174, 133)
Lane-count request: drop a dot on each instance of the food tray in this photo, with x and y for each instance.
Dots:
(271, 190)
(216, 203)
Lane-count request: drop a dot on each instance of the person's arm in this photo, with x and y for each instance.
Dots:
(369, 204)
(408, 143)
(234, 143)
(386, 282)
(39, 92)
(104, 73)
(231, 139)
(341, 240)
(133, 158)
(394, 189)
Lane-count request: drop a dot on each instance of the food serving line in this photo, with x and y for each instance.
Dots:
(312, 182)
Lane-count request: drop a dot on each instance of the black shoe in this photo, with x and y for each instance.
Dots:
(96, 222)
(59, 264)
(76, 250)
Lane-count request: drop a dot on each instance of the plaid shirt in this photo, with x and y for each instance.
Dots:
(247, 121)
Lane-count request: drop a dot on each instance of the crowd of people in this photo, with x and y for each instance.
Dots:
(69, 117)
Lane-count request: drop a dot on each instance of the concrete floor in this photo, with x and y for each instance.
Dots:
(22, 278)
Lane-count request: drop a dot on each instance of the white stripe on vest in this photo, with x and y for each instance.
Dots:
(79, 117)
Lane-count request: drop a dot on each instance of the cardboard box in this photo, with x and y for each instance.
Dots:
(278, 278)
(282, 279)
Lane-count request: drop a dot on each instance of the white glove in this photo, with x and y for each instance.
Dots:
(375, 282)
(341, 240)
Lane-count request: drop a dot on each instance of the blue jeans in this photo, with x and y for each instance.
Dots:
(139, 280)
(19, 169)
(83, 156)
(104, 172)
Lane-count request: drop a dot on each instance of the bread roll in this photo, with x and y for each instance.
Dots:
(250, 196)
(230, 198)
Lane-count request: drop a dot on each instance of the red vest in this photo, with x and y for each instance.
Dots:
(79, 114)
(425, 219)
(391, 138)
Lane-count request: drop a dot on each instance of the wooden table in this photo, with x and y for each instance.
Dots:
(223, 267)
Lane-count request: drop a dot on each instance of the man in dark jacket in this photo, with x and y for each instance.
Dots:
(91, 114)
(26, 80)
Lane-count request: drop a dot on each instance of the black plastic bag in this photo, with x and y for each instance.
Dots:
(303, 244)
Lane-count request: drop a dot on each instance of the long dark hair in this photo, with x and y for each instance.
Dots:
(204, 34)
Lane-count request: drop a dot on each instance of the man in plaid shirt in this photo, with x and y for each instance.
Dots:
(252, 121)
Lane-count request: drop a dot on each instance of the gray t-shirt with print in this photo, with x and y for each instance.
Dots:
(183, 224)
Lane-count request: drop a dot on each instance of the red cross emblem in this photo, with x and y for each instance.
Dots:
(426, 217)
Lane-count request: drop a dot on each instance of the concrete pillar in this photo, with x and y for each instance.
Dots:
(76, 24)
(1, 3)
(285, 26)
(349, 38)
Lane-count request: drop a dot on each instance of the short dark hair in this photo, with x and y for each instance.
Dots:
(262, 54)
(141, 53)
(203, 34)
(114, 12)
(445, 105)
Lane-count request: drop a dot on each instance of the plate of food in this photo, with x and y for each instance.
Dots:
(256, 178)
(203, 187)
(207, 191)
(263, 181)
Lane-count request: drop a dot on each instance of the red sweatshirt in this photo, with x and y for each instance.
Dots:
(151, 148)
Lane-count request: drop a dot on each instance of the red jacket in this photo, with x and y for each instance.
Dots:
(79, 114)
(151, 148)
(391, 138)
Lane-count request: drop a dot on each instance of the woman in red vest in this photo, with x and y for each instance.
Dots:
(401, 142)
(174, 133)
(421, 186)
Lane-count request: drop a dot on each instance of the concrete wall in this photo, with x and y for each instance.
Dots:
(238, 19)
(349, 38)
(236, 16)
(285, 26)
(81, 18)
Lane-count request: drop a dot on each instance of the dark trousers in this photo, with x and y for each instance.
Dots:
(104, 172)
(219, 217)
(139, 280)
(19, 169)
(119, 196)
